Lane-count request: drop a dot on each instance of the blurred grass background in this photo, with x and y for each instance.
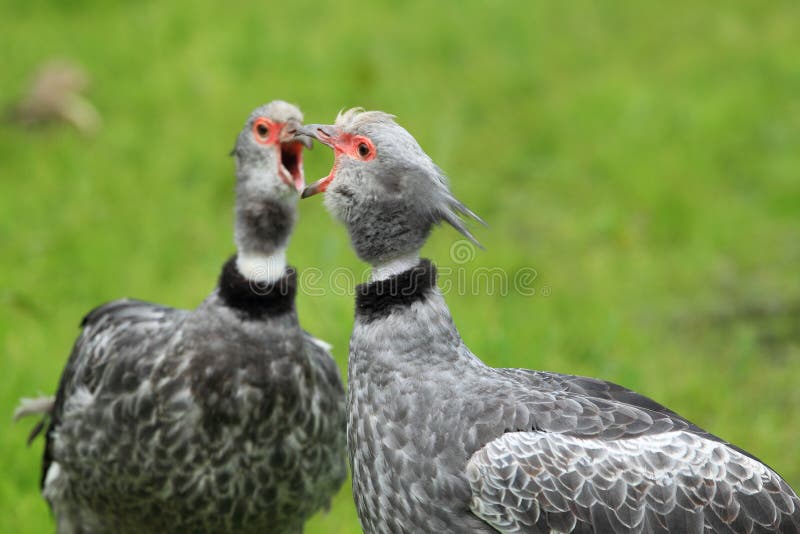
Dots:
(642, 158)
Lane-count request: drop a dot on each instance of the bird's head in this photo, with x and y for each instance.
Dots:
(383, 186)
(269, 154)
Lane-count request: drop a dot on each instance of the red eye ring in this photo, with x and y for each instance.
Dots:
(363, 148)
(265, 131)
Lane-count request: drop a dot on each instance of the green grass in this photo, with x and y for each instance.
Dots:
(642, 158)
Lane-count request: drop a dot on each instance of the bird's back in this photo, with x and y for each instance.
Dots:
(597, 457)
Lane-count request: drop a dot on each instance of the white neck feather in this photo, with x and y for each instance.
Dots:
(395, 266)
(265, 268)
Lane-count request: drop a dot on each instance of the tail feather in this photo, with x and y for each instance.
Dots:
(31, 407)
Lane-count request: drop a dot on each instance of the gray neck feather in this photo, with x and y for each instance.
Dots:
(263, 223)
(386, 230)
(399, 324)
(422, 337)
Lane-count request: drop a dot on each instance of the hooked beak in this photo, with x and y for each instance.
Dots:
(325, 134)
(291, 132)
(317, 187)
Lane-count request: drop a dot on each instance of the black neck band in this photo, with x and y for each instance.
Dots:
(375, 300)
(257, 299)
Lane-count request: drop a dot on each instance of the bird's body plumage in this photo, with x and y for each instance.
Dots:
(440, 442)
(218, 419)
(225, 418)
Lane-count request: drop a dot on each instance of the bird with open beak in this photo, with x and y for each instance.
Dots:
(438, 441)
(269, 178)
(225, 418)
(384, 188)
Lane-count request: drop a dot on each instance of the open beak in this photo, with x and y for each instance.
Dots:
(290, 152)
(325, 134)
(317, 187)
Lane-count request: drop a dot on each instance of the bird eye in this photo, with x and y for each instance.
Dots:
(361, 147)
(262, 130)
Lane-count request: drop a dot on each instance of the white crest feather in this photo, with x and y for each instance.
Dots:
(355, 117)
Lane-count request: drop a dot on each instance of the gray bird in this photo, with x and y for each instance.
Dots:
(225, 418)
(440, 442)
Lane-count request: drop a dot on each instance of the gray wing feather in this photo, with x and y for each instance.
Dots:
(621, 411)
(117, 329)
(125, 324)
(330, 400)
(324, 345)
(670, 482)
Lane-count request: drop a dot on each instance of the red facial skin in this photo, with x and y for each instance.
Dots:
(345, 144)
(270, 136)
(268, 132)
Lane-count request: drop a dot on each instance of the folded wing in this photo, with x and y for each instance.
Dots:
(669, 482)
